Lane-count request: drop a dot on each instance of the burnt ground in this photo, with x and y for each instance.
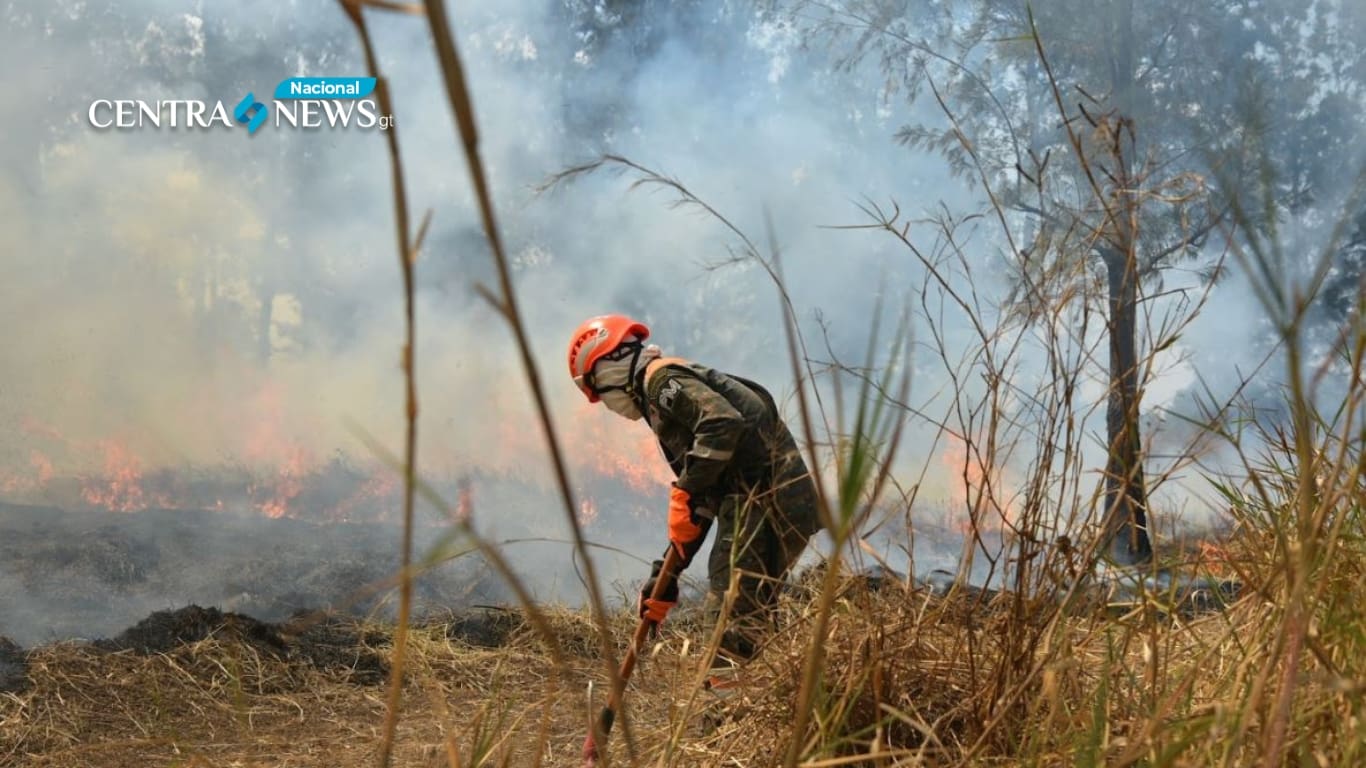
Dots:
(345, 647)
(69, 575)
(337, 644)
(12, 667)
(198, 686)
(233, 640)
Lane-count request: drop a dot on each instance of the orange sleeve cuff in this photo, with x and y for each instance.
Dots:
(682, 529)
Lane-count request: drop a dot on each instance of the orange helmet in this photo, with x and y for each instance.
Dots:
(595, 339)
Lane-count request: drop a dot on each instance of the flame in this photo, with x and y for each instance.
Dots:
(40, 475)
(42, 467)
(268, 446)
(613, 448)
(373, 500)
(464, 505)
(596, 443)
(973, 489)
(1214, 558)
(267, 442)
(267, 465)
(288, 485)
(120, 487)
(588, 511)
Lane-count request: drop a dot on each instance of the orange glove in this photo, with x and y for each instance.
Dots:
(656, 610)
(685, 529)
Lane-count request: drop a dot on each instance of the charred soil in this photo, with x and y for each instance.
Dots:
(68, 575)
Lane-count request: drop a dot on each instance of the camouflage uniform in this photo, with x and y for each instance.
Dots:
(732, 453)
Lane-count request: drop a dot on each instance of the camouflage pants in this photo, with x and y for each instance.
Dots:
(760, 534)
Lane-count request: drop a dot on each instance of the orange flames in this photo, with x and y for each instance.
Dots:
(974, 491)
(120, 487)
(373, 500)
(595, 442)
(612, 447)
(288, 484)
(1214, 558)
(464, 506)
(269, 468)
(597, 445)
(40, 474)
(588, 511)
(40, 465)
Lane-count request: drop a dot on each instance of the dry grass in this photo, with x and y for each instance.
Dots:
(904, 676)
(223, 701)
(209, 703)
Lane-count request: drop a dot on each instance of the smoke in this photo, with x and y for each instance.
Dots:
(208, 296)
(203, 299)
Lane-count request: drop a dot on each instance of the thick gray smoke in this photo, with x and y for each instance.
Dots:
(204, 299)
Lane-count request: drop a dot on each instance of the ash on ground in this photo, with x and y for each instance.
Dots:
(13, 666)
(326, 641)
(67, 575)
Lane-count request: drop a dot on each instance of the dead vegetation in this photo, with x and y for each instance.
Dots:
(200, 687)
(905, 676)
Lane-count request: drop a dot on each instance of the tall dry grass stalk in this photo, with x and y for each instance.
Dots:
(407, 250)
(506, 303)
(1303, 498)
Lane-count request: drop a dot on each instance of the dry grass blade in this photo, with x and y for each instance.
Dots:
(412, 9)
(458, 94)
(407, 256)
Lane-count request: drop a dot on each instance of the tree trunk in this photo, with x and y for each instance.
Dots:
(1126, 495)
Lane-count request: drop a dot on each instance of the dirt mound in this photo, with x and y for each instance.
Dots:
(333, 643)
(165, 631)
(338, 644)
(484, 626)
(13, 672)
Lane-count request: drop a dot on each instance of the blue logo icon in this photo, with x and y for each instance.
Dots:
(251, 112)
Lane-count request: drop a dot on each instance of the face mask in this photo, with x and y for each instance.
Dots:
(621, 404)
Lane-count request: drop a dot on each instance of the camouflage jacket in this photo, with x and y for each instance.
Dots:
(721, 434)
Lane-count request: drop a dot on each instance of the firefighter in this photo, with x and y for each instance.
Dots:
(737, 467)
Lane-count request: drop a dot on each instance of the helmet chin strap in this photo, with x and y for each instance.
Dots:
(635, 379)
(635, 382)
(632, 373)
